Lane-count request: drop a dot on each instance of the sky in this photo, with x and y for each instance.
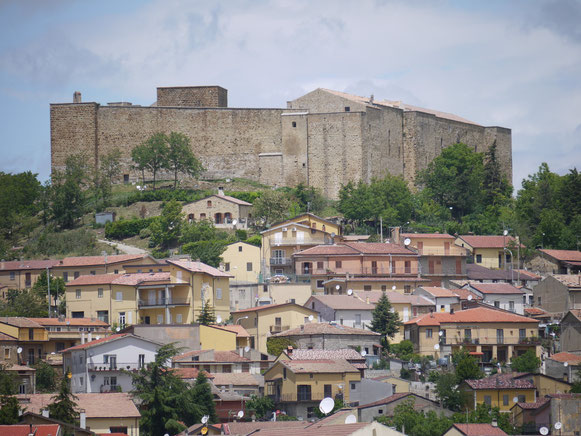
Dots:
(514, 64)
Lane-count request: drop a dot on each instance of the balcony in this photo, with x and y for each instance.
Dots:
(279, 328)
(127, 366)
(303, 396)
(109, 388)
(282, 261)
(172, 301)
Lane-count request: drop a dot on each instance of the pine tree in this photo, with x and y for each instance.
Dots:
(496, 188)
(385, 320)
(64, 407)
(207, 315)
(9, 406)
(202, 396)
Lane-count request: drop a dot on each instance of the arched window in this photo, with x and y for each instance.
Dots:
(209, 202)
(218, 218)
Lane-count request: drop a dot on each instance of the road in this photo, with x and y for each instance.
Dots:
(127, 249)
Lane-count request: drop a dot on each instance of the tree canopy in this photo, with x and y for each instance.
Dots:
(385, 320)
(527, 362)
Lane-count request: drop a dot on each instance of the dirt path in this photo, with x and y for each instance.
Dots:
(127, 249)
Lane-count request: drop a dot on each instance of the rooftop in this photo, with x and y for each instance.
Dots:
(493, 241)
(475, 315)
(563, 255)
(70, 322)
(99, 260)
(320, 328)
(532, 406)
(479, 430)
(235, 379)
(198, 267)
(386, 400)
(270, 306)
(570, 280)
(438, 291)
(478, 272)
(98, 341)
(120, 279)
(224, 197)
(341, 302)
(20, 322)
(427, 235)
(24, 430)
(463, 294)
(502, 381)
(394, 297)
(319, 366)
(210, 356)
(240, 331)
(495, 288)
(570, 358)
(356, 249)
(18, 265)
(345, 353)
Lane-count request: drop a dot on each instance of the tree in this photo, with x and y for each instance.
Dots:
(308, 198)
(497, 189)
(276, 345)
(385, 321)
(207, 315)
(208, 252)
(180, 158)
(527, 362)
(151, 155)
(271, 207)
(166, 229)
(261, 407)
(109, 168)
(403, 350)
(466, 366)
(576, 387)
(45, 377)
(415, 422)
(447, 391)
(19, 197)
(67, 192)
(63, 406)
(454, 179)
(202, 396)
(57, 287)
(23, 303)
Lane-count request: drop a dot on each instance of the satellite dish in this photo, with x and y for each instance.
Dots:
(240, 414)
(407, 241)
(205, 419)
(436, 346)
(469, 297)
(337, 287)
(234, 222)
(218, 319)
(349, 291)
(97, 338)
(505, 232)
(566, 364)
(515, 400)
(326, 405)
(246, 349)
(19, 350)
(333, 234)
(558, 425)
(393, 288)
(118, 329)
(441, 333)
(311, 318)
(351, 419)
(544, 431)
(363, 353)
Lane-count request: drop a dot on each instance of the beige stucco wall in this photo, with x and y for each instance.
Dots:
(236, 259)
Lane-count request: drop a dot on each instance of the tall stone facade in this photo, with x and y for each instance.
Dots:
(324, 138)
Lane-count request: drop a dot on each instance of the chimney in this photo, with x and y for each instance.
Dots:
(45, 413)
(371, 99)
(77, 97)
(431, 314)
(494, 423)
(82, 338)
(83, 419)
(451, 311)
(241, 352)
(90, 337)
(220, 191)
(289, 349)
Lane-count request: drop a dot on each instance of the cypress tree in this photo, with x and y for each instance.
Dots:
(385, 320)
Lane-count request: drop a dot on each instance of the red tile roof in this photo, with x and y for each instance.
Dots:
(501, 381)
(355, 249)
(96, 342)
(188, 373)
(7, 338)
(535, 311)
(427, 235)
(224, 197)
(488, 241)
(340, 302)
(198, 267)
(570, 280)
(479, 430)
(531, 406)
(219, 356)
(379, 248)
(386, 400)
(479, 272)
(319, 366)
(270, 306)
(348, 354)
(496, 288)
(70, 321)
(385, 279)
(463, 294)
(475, 315)
(240, 331)
(24, 430)
(99, 260)
(20, 322)
(234, 378)
(570, 358)
(120, 279)
(18, 265)
(438, 291)
(563, 255)
(321, 328)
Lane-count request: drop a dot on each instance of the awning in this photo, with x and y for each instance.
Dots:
(476, 353)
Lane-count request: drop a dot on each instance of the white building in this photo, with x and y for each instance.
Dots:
(443, 299)
(343, 309)
(102, 365)
(501, 295)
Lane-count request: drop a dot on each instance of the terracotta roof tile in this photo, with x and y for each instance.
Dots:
(24, 429)
(198, 267)
(570, 358)
(341, 302)
(98, 279)
(494, 241)
(188, 373)
(96, 342)
(535, 311)
(224, 197)
(379, 248)
(570, 280)
(496, 288)
(479, 430)
(270, 306)
(18, 265)
(240, 331)
(531, 406)
(70, 322)
(479, 272)
(137, 279)
(319, 366)
(475, 315)
(501, 381)
(463, 294)
(386, 400)
(385, 279)
(109, 405)
(348, 354)
(427, 235)
(7, 338)
(218, 356)
(99, 260)
(263, 427)
(333, 250)
(20, 322)
(438, 291)
(235, 379)
(320, 328)
(523, 274)
(563, 255)
(394, 297)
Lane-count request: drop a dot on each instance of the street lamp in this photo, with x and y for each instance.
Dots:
(240, 319)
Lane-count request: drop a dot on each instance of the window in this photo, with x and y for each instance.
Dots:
(93, 273)
(522, 333)
(103, 315)
(468, 334)
(117, 271)
(80, 314)
(119, 296)
(81, 381)
(66, 276)
(78, 294)
(100, 293)
(303, 392)
(320, 284)
(487, 400)
(521, 398)
(122, 319)
(383, 288)
(22, 389)
(353, 386)
(479, 258)
(358, 319)
(218, 293)
(125, 178)
(539, 301)
(248, 266)
(141, 361)
(294, 123)
(367, 287)
(106, 381)
(380, 411)
(6, 353)
(497, 304)
(311, 375)
(160, 319)
(347, 109)
(179, 318)
(407, 289)
(28, 279)
(511, 306)
(320, 265)
(338, 264)
(328, 391)
(429, 333)
(12, 275)
(240, 248)
(31, 334)
(284, 373)
(209, 203)
(373, 267)
(77, 274)
(505, 400)
(408, 267)
(500, 336)
(202, 216)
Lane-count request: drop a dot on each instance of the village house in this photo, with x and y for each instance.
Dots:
(71, 268)
(557, 294)
(344, 309)
(571, 331)
(22, 274)
(217, 362)
(31, 339)
(222, 210)
(499, 390)
(242, 261)
(516, 277)
(564, 409)
(490, 251)
(486, 332)
(386, 406)
(475, 430)
(500, 295)
(443, 299)
(68, 332)
(561, 261)
(564, 366)
(349, 354)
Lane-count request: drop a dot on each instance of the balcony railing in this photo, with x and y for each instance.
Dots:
(490, 340)
(278, 328)
(172, 301)
(304, 396)
(127, 366)
(284, 261)
(109, 388)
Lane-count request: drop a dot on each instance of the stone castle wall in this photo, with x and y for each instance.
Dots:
(322, 139)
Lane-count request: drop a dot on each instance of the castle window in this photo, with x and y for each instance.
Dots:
(294, 123)
(125, 178)
(209, 203)
(347, 109)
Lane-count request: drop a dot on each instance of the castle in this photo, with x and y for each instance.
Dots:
(323, 139)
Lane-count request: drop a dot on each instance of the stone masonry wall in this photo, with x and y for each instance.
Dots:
(193, 96)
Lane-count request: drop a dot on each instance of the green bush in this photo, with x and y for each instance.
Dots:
(255, 240)
(46, 242)
(126, 228)
(145, 233)
(248, 197)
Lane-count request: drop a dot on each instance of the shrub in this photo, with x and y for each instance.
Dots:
(145, 233)
(255, 240)
(127, 228)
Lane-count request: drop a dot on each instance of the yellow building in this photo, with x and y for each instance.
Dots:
(297, 386)
(399, 385)
(68, 332)
(489, 251)
(170, 297)
(31, 338)
(70, 268)
(242, 337)
(224, 211)
(499, 390)
(262, 321)
(22, 274)
(284, 239)
(486, 332)
(474, 430)
(216, 338)
(242, 261)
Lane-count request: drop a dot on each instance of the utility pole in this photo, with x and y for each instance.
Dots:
(48, 286)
